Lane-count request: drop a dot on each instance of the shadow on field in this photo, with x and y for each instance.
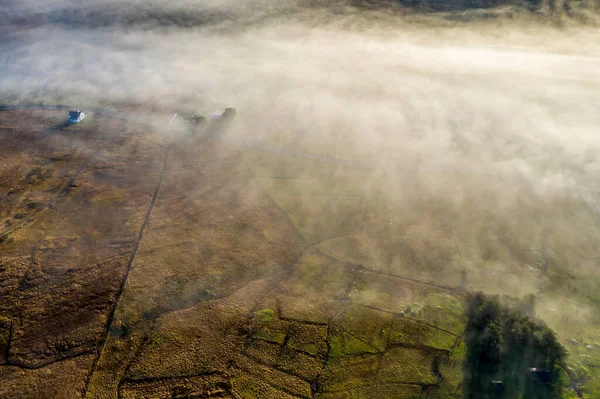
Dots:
(53, 129)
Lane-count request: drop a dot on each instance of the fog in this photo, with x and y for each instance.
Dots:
(360, 86)
(492, 115)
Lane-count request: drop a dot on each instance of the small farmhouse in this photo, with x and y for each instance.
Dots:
(76, 116)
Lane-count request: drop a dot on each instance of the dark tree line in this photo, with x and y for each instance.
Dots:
(510, 354)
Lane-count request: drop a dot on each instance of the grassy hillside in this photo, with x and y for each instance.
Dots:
(154, 267)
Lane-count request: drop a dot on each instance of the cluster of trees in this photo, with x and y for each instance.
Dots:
(504, 343)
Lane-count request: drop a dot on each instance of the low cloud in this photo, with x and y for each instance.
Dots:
(496, 116)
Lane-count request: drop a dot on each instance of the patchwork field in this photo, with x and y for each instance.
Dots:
(137, 263)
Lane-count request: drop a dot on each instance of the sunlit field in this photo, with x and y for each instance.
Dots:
(405, 206)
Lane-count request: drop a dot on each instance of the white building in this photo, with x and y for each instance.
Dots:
(76, 116)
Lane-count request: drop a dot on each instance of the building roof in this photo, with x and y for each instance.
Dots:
(539, 375)
(74, 114)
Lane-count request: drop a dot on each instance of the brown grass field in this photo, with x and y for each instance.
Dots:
(139, 264)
